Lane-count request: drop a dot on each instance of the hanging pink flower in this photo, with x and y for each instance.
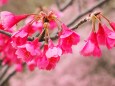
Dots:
(91, 46)
(8, 19)
(31, 65)
(112, 24)
(19, 38)
(53, 54)
(110, 37)
(2, 2)
(36, 25)
(67, 38)
(53, 51)
(101, 36)
(42, 61)
(19, 67)
(106, 36)
(49, 57)
(28, 51)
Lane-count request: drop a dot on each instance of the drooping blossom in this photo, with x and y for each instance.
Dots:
(2, 2)
(101, 36)
(19, 67)
(42, 61)
(106, 36)
(8, 55)
(8, 19)
(52, 24)
(3, 40)
(91, 46)
(28, 51)
(112, 24)
(19, 38)
(53, 55)
(36, 25)
(67, 38)
(49, 57)
(31, 65)
(56, 50)
(110, 37)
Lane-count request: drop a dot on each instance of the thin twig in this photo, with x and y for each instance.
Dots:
(88, 11)
(4, 72)
(64, 6)
(7, 78)
(9, 34)
(75, 27)
(6, 33)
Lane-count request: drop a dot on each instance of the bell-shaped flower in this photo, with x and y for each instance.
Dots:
(67, 38)
(91, 46)
(106, 36)
(28, 51)
(31, 65)
(53, 55)
(110, 37)
(112, 24)
(42, 61)
(19, 38)
(101, 36)
(8, 19)
(36, 25)
(2, 2)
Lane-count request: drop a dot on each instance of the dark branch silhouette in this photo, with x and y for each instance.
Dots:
(63, 7)
(88, 11)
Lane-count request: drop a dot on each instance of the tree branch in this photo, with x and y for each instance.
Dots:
(7, 78)
(64, 6)
(9, 34)
(6, 33)
(88, 11)
(4, 72)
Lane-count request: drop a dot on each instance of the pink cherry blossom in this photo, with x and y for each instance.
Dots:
(29, 29)
(31, 65)
(52, 63)
(53, 51)
(3, 40)
(112, 24)
(42, 60)
(19, 38)
(52, 24)
(28, 51)
(19, 67)
(8, 19)
(53, 54)
(8, 54)
(101, 36)
(91, 46)
(49, 57)
(2, 2)
(67, 39)
(110, 37)
(106, 36)
(36, 25)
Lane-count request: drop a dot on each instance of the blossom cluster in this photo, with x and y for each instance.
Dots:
(19, 50)
(103, 35)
